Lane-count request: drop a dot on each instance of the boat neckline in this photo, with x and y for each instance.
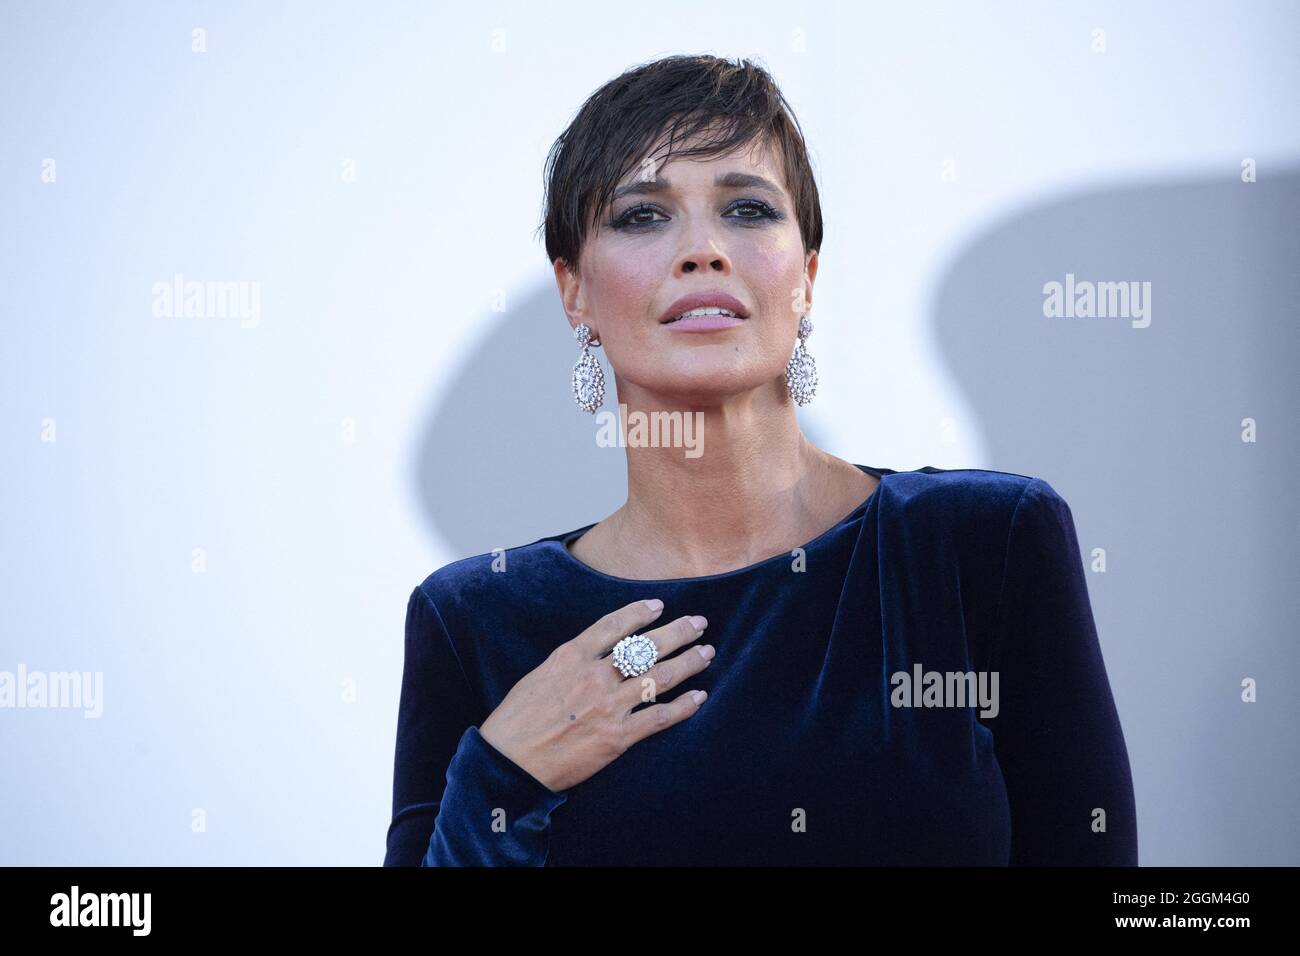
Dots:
(562, 542)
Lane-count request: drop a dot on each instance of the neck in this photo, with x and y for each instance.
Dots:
(752, 485)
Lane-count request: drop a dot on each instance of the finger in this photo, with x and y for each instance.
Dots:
(651, 720)
(666, 675)
(599, 639)
(676, 634)
(670, 637)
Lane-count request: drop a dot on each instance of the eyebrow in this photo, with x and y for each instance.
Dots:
(723, 181)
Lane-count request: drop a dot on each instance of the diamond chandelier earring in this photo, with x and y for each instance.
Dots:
(588, 376)
(801, 370)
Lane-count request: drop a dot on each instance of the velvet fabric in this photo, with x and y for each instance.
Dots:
(808, 750)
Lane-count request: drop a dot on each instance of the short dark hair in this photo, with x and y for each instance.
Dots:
(682, 96)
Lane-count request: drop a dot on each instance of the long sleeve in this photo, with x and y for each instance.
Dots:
(457, 800)
(1057, 735)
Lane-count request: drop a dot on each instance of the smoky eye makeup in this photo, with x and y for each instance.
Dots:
(754, 211)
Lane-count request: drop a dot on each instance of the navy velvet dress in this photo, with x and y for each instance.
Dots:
(810, 749)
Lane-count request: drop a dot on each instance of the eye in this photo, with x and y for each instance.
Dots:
(763, 210)
(629, 217)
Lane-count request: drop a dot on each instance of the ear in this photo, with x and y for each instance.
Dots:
(810, 276)
(572, 299)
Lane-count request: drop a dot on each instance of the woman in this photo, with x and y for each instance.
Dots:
(900, 667)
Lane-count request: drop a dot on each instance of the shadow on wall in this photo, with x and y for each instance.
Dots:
(1140, 429)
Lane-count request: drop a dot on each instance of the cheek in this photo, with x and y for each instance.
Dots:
(773, 271)
(624, 290)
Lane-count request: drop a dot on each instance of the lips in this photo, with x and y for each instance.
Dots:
(701, 300)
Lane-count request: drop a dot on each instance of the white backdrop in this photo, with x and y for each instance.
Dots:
(223, 518)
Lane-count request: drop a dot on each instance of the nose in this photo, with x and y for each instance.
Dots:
(701, 252)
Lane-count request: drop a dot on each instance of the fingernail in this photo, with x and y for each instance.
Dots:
(699, 622)
(655, 604)
(699, 696)
(707, 651)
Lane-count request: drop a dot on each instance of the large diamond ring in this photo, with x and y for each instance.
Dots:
(635, 654)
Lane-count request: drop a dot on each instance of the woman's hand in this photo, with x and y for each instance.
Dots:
(571, 716)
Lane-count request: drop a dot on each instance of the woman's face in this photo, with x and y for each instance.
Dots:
(725, 224)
